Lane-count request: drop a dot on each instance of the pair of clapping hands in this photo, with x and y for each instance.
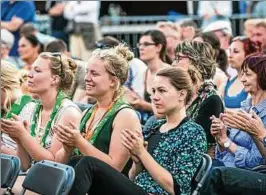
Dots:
(14, 127)
(132, 140)
(242, 120)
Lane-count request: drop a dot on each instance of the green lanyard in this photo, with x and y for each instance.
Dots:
(58, 102)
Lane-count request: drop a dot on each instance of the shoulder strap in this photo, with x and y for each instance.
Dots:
(84, 119)
(117, 111)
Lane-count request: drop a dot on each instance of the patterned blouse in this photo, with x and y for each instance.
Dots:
(179, 151)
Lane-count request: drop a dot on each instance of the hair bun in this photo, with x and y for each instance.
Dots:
(72, 65)
(124, 51)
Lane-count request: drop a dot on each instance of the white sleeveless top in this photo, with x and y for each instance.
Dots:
(27, 114)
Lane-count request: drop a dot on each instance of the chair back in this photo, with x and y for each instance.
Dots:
(49, 178)
(201, 174)
(10, 167)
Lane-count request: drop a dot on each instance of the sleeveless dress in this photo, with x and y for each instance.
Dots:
(233, 101)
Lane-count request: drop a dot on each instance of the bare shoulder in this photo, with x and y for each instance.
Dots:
(127, 114)
(70, 113)
(127, 118)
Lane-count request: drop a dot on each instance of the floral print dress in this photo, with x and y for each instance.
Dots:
(179, 151)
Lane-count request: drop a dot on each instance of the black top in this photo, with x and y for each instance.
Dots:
(58, 23)
(155, 137)
(207, 103)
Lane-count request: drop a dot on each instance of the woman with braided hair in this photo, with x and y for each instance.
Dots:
(198, 59)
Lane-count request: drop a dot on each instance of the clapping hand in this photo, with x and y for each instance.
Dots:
(134, 142)
(14, 127)
(68, 135)
(218, 129)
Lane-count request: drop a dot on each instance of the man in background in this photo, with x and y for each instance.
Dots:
(13, 15)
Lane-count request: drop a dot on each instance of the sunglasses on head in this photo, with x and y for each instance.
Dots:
(60, 59)
(102, 45)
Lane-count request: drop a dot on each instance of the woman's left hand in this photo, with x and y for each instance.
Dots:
(14, 127)
(249, 122)
(253, 124)
(68, 135)
(233, 120)
(133, 141)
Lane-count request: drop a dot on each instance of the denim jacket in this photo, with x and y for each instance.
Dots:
(247, 154)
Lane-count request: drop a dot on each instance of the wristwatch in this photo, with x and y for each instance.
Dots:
(227, 144)
(264, 141)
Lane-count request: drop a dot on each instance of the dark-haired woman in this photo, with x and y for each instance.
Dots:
(175, 148)
(234, 92)
(29, 48)
(238, 149)
(152, 50)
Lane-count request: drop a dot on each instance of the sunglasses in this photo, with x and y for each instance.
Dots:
(102, 45)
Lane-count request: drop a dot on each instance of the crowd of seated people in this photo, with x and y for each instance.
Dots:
(141, 126)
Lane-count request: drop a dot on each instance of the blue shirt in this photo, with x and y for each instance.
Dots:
(21, 9)
(233, 101)
(247, 154)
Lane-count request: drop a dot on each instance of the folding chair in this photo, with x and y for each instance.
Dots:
(201, 174)
(10, 167)
(49, 178)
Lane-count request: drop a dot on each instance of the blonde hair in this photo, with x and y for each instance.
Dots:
(62, 66)
(116, 63)
(10, 82)
(201, 57)
(174, 28)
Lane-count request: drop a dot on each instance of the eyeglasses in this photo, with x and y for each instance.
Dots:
(60, 59)
(145, 44)
(178, 58)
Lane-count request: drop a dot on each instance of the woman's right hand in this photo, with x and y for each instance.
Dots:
(136, 159)
(218, 129)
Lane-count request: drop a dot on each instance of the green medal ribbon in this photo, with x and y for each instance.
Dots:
(117, 105)
(18, 105)
(60, 97)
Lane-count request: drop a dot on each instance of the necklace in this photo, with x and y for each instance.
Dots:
(93, 124)
(42, 134)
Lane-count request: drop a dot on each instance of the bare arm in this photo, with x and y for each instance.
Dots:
(57, 10)
(13, 25)
(6, 150)
(118, 154)
(36, 151)
(24, 157)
